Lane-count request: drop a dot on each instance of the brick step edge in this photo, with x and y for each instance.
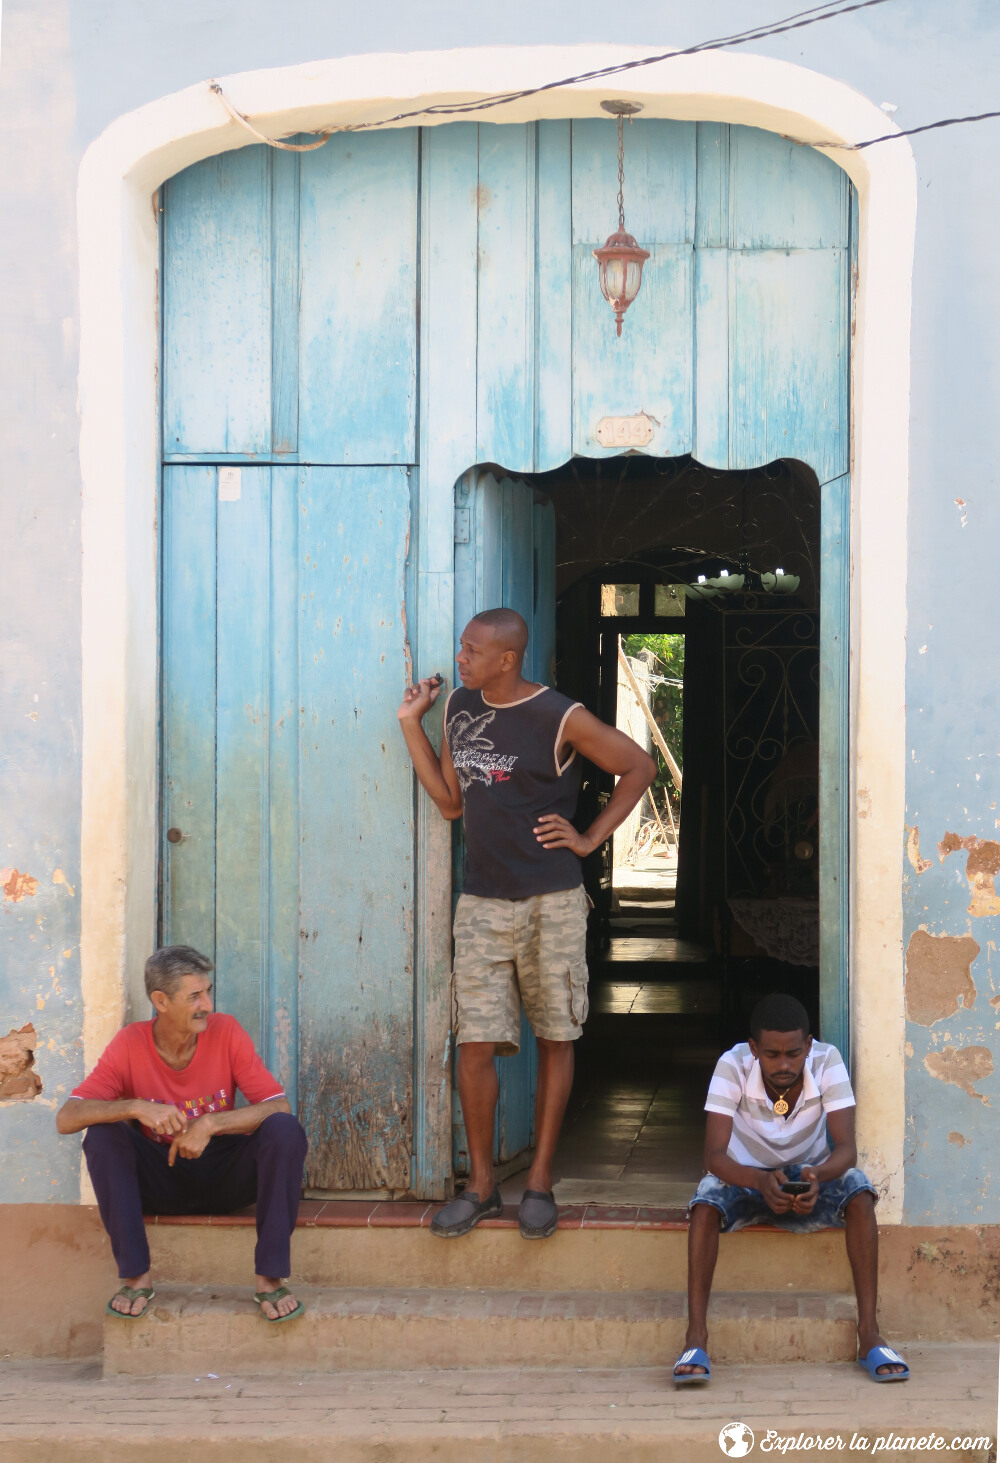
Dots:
(210, 1329)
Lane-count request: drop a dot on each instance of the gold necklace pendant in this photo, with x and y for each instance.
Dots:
(781, 1107)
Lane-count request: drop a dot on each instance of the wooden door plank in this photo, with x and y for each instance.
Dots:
(358, 346)
(660, 181)
(712, 216)
(242, 745)
(783, 195)
(711, 333)
(505, 358)
(188, 707)
(217, 305)
(834, 763)
(356, 830)
(649, 368)
(554, 297)
(449, 180)
(285, 303)
(282, 992)
(789, 358)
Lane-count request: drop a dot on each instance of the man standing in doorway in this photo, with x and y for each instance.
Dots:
(510, 764)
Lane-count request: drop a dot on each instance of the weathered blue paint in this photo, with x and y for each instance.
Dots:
(188, 698)
(834, 769)
(283, 665)
(649, 368)
(242, 742)
(356, 830)
(217, 319)
(279, 273)
(359, 299)
(752, 288)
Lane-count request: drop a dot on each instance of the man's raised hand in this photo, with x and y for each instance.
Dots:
(418, 699)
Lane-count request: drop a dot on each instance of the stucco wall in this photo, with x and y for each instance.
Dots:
(67, 71)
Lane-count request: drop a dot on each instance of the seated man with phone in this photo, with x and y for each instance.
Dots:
(775, 1104)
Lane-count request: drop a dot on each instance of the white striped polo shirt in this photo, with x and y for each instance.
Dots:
(762, 1140)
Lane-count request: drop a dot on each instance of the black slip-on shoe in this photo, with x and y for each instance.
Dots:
(538, 1216)
(464, 1213)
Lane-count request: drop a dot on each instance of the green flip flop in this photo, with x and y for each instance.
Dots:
(145, 1292)
(274, 1296)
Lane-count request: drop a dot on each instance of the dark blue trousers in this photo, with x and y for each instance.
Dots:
(131, 1177)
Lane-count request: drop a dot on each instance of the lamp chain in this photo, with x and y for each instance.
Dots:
(621, 173)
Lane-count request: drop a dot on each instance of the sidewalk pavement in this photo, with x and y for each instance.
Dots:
(66, 1410)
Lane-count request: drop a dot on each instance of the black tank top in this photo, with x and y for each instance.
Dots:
(505, 757)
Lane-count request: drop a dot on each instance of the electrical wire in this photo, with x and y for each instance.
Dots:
(796, 21)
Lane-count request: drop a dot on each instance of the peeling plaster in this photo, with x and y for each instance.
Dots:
(17, 885)
(58, 877)
(19, 1082)
(920, 865)
(959, 1139)
(981, 869)
(962, 1067)
(939, 976)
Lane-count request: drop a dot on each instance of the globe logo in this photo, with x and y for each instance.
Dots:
(736, 1440)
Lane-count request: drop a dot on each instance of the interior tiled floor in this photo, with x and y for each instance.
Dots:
(634, 1141)
(634, 1133)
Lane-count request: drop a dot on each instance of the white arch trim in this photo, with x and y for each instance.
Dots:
(119, 452)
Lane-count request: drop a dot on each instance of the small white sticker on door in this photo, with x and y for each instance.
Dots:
(230, 484)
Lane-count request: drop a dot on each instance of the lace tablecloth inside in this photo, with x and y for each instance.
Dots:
(788, 929)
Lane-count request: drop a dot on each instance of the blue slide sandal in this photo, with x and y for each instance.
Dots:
(884, 1356)
(693, 1357)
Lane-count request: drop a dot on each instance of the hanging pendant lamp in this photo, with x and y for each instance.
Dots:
(621, 259)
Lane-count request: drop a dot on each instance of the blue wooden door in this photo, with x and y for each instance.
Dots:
(294, 352)
(505, 555)
(287, 808)
(287, 798)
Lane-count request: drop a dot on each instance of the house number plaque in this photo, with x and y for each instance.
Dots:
(634, 431)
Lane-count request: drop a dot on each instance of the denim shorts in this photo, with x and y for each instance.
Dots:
(742, 1207)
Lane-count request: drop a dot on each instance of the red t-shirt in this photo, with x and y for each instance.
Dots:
(224, 1061)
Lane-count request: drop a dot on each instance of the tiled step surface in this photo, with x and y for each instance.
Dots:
(624, 1249)
(194, 1330)
(68, 1413)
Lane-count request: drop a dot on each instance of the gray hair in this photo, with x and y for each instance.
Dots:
(166, 968)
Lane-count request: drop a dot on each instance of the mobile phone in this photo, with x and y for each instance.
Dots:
(436, 679)
(797, 1186)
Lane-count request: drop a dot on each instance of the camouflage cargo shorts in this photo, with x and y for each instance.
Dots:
(514, 952)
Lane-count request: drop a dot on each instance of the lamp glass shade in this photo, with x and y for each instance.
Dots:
(620, 271)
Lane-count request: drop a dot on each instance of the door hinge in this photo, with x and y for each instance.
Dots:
(462, 526)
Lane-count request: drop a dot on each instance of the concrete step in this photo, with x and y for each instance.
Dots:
(195, 1330)
(625, 1257)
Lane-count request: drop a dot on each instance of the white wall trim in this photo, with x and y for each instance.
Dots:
(119, 462)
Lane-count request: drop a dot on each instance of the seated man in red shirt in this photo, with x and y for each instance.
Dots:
(164, 1135)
